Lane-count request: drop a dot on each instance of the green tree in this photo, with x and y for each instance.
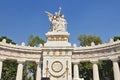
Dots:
(86, 70)
(32, 41)
(105, 69)
(9, 66)
(7, 40)
(29, 67)
(116, 38)
(86, 40)
(9, 70)
(35, 40)
(86, 67)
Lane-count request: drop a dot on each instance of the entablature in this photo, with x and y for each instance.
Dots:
(106, 47)
(19, 48)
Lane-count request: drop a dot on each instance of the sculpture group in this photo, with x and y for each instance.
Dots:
(58, 22)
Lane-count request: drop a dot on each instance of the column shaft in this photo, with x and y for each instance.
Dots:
(116, 70)
(95, 72)
(0, 69)
(76, 72)
(19, 71)
(38, 74)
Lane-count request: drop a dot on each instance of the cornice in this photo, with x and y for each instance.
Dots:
(100, 56)
(23, 48)
(57, 48)
(19, 48)
(100, 47)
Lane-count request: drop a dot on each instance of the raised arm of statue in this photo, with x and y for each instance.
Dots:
(49, 15)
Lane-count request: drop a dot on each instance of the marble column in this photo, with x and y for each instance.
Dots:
(95, 70)
(76, 71)
(38, 72)
(1, 63)
(19, 70)
(116, 69)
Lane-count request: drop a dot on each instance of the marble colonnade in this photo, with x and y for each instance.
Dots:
(116, 70)
(20, 70)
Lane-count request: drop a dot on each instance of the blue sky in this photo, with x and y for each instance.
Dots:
(20, 18)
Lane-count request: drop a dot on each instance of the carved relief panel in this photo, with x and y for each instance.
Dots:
(57, 67)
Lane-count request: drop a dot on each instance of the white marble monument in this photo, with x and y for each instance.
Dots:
(56, 57)
(57, 50)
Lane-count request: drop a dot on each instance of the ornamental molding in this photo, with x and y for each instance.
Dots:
(100, 47)
(101, 51)
(19, 48)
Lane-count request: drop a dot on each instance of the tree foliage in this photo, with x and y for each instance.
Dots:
(32, 41)
(105, 71)
(86, 67)
(86, 70)
(86, 40)
(35, 40)
(116, 38)
(7, 40)
(9, 70)
(29, 68)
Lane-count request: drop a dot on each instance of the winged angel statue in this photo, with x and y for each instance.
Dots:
(58, 23)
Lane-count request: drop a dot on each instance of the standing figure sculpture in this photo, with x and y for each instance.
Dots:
(58, 23)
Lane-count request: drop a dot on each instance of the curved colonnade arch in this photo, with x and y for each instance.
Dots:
(21, 53)
(94, 53)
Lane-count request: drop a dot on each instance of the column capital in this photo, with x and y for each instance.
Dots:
(94, 61)
(114, 59)
(37, 62)
(75, 62)
(20, 61)
(2, 59)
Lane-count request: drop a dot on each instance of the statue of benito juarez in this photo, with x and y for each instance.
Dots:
(58, 22)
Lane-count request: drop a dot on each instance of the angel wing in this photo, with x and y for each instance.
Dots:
(50, 15)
